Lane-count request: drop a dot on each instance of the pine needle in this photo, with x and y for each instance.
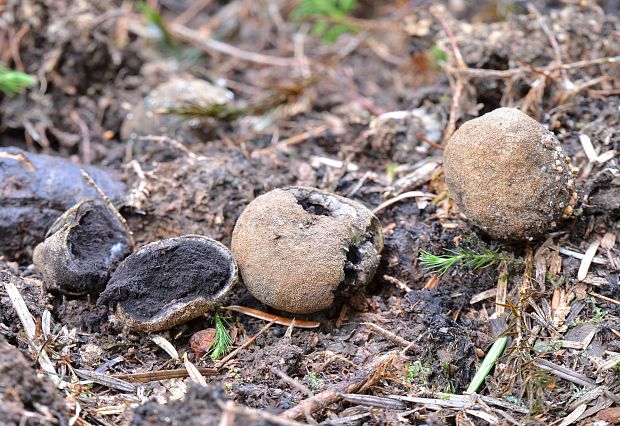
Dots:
(223, 341)
(13, 82)
(440, 264)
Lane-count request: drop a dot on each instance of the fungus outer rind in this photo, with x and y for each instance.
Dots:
(508, 175)
(296, 247)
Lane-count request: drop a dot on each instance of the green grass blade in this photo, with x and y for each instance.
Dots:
(13, 82)
(489, 361)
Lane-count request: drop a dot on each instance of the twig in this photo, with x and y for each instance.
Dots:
(255, 313)
(294, 140)
(514, 72)
(258, 414)
(459, 85)
(211, 45)
(231, 355)
(360, 381)
(108, 203)
(596, 259)
(565, 373)
(152, 376)
(403, 196)
(85, 150)
(553, 41)
(605, 298)
(292, 382)
(388, 334)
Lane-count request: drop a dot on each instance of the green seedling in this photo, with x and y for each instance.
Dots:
(487, 364)
(440, 264)
(155, 19)
(417, 370)
(14, 82)
(223, 340)
(314, 381)
(330, 9)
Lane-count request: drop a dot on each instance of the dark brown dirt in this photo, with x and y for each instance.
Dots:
(153, 278)
(25, 398)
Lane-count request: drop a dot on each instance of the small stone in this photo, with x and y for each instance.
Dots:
(154, 116)
(201, 341)
(501, 170)
(299, 247)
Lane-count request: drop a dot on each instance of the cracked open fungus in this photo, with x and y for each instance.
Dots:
(509, 175)
(297, 248)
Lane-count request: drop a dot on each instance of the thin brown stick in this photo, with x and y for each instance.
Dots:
(388, 334)
(211, 45)
(253, 413)
(514, 72)
(255, 313)
(251, 340)
(553, 41)
(459, 84)
(152, 376)
(294, 140)
(361, 380)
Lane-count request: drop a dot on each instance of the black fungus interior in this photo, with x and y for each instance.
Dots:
(153, 278)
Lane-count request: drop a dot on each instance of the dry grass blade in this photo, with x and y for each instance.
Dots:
(587, 260)
(374, 401)
(163, 343)
(106, 380)
(27, 321)
(403, 196)
(193, 372)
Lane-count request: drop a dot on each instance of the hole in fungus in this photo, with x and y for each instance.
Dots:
(99, 242)
(313, 208)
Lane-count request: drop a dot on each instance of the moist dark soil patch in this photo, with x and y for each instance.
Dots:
(99, 242)
(149, 280)
(26, 398)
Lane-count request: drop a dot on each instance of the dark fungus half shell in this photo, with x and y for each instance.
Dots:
(171, 281)
(82, 248)
(299, 247)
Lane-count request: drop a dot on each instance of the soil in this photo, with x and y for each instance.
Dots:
(25, 397)
(153, 278)
(364, 117)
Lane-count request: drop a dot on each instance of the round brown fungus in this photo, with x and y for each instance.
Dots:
(509, 175)
(298, 247)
